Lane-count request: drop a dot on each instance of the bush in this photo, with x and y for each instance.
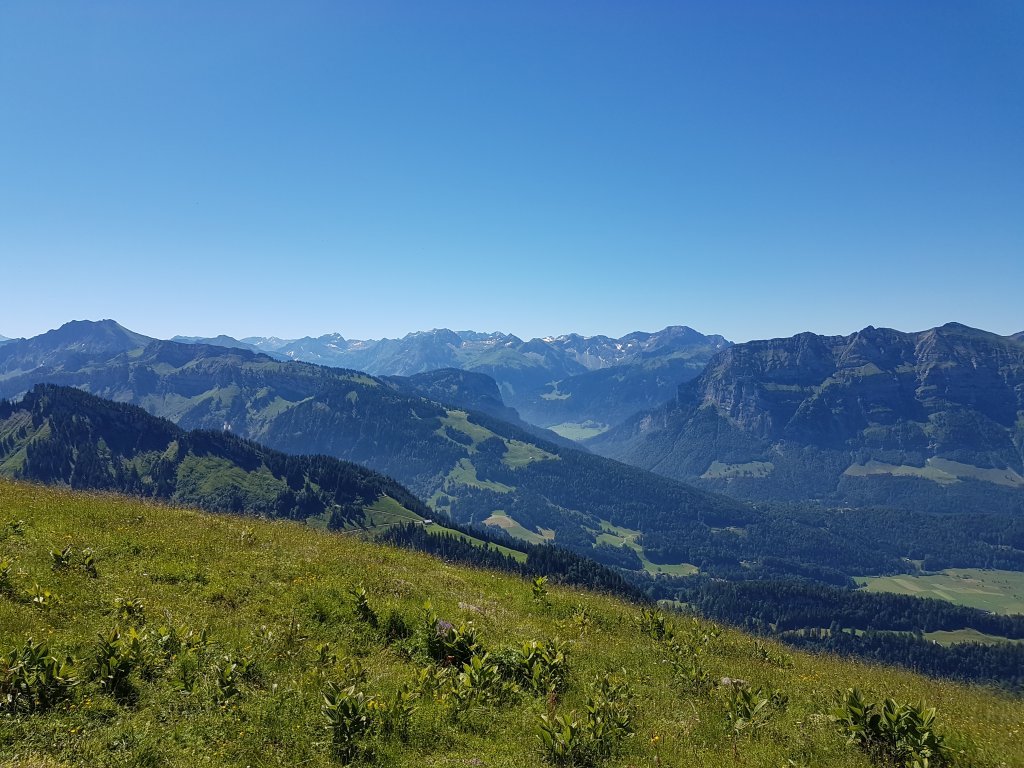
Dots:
(348, 720)
(117, 656)
(33, 680)
(893, 733)
(447, 644)
(598, 734)
(540, 668)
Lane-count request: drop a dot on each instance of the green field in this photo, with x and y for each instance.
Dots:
(951, 637)
(435, 529)
(617, 536)
(574, 430)
(232, 628)
(464, 473)
(519, 454)
(995, 591)
(385, 511)
(500, 520)
(941, 471)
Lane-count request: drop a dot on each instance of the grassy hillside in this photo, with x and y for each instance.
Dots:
(239, 626)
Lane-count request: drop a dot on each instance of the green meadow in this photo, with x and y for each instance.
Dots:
(177, 638)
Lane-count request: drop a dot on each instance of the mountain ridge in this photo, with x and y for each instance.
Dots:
(547, 379)
(943, 401)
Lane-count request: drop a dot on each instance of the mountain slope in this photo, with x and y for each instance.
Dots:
(231, 631)
(880, 416)
(66, 436)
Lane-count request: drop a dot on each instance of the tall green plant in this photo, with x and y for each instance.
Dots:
(891, 733)
(33, 680)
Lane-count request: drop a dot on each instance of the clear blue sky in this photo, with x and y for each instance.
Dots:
(751, 169)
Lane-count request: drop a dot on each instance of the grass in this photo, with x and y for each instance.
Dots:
(941, 471)
(459, 421)
(274, 592)
(573, 430)
(501, 520)
(616, 535)
(437, 530)
(953, 636)
(990, 590)
(519, 454)
(464, 473)
(385, 511)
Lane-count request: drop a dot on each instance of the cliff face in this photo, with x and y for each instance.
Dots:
(876, 397)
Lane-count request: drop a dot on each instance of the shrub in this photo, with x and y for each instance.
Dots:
(364, 611)
(60, 558)
(42, 598)
(33, 680)
(655, 624)
(447, 644)
(6, 585)
(395, 626)
(747, 709)
(539, 668)
(539, 589)
(89, 563)
(348, 719)
(117, 656)
(227, 675)
(130, 609)
(689, 671)
(598, 734)
(893, 733)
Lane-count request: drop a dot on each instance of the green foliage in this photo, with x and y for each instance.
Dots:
(689, 671)
(395, 627)
(228, 673)
(254, 605)
(748, 710)
(6, 584)
(891, 733)
(348, 718)
(89, 563)
(130, 609)
(42, 598)
(539, 588)
(446, 643)
(364, 612)
(591, 738)
(479, 684)
(61, 558)
(118, 655)
(33, 680)
(655, 624)
(541, 668)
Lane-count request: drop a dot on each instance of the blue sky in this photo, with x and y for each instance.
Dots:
(751, 169)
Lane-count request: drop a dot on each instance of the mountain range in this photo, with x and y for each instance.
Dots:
(578, 385)
(481, 470)
(933, 419)
(469, 464)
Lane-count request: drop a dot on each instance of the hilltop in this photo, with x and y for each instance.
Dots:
(232, 629)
